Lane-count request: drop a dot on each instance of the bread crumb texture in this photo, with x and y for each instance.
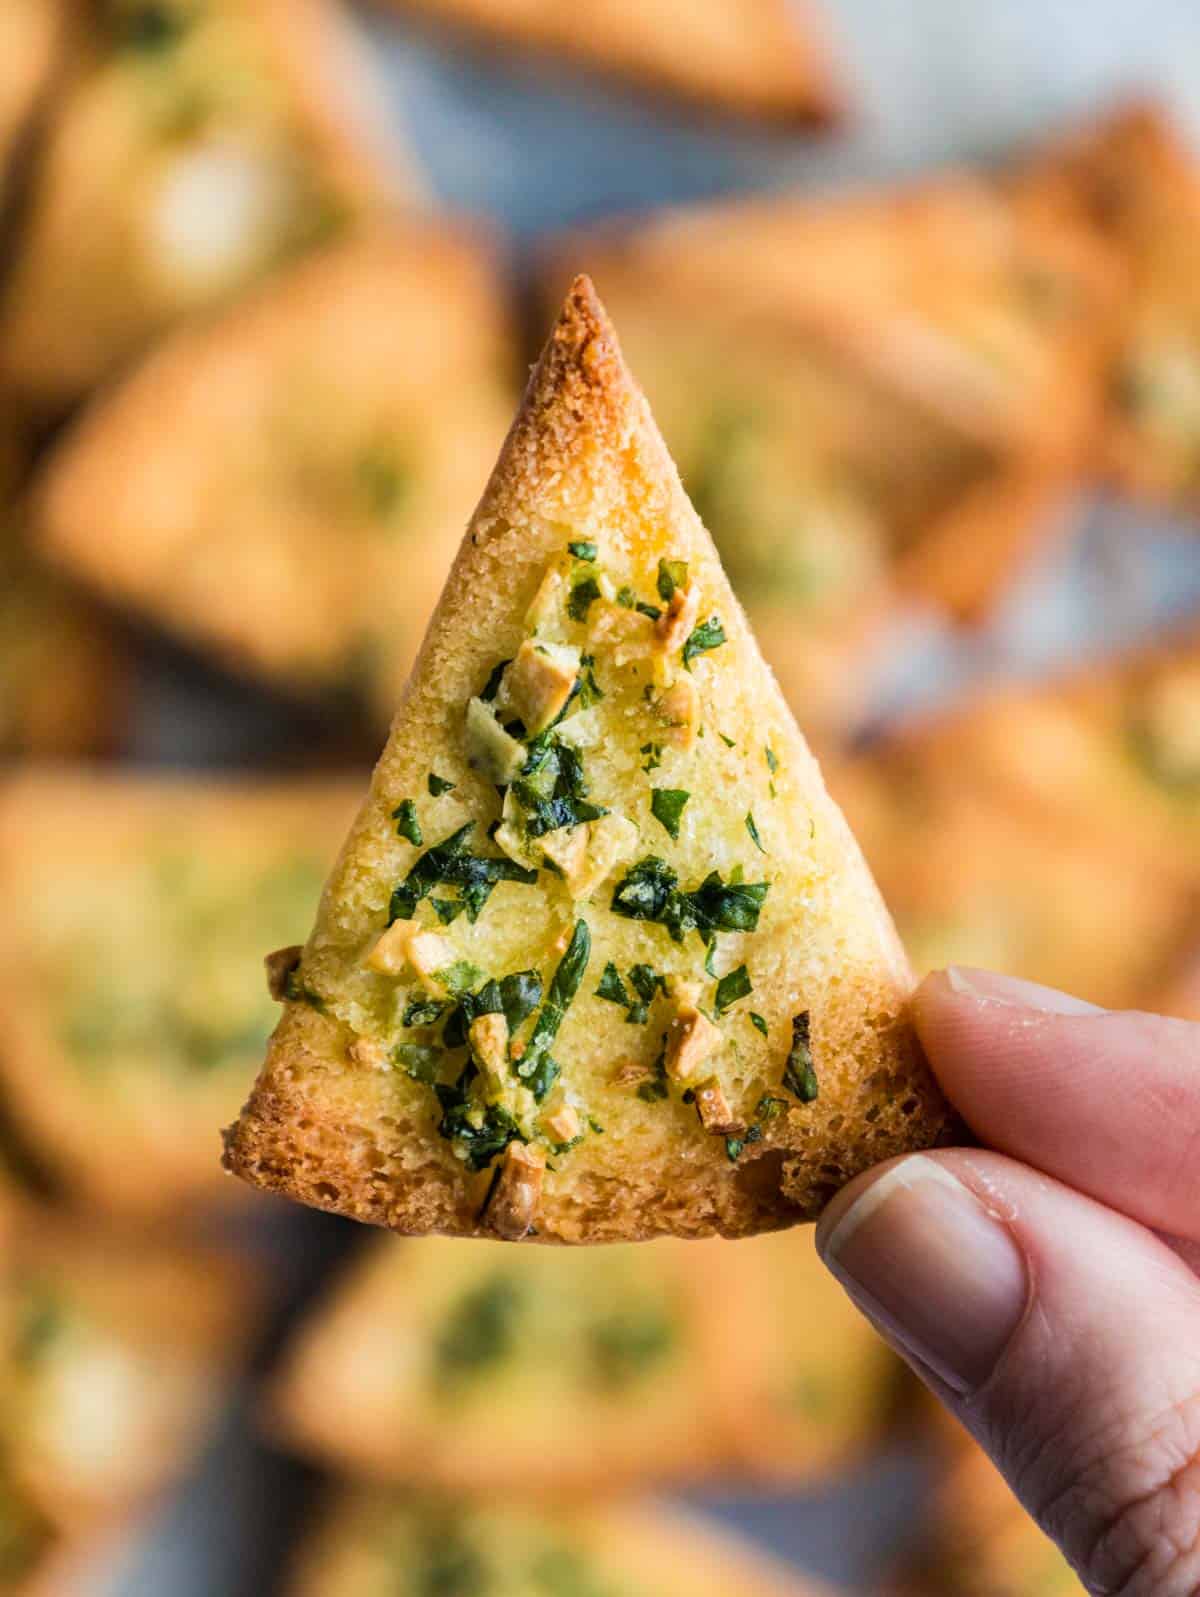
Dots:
(596, 799)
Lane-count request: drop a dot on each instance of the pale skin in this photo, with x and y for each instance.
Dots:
(1044, 1286)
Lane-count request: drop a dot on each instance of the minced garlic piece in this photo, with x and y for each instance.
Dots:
(692, 1040)
(563, 1123)
(516, 1197)
(678, 708)
(715, 1114)
(404, 944)
(674, 626)
(488, 1037)
(538, 683)
(607, 843)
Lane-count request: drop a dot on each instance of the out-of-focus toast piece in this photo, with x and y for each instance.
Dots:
(908, 381)
(520, 1030)
(592, 1367)
(765, 59)
(978, 1541)
(369, 1540)
(195, 147)
(131, 977)
(973, 880)
(113, 1361)
(287, 484)
(31, 38)
(62, 672)
(808, 1386)
(625, 1365)
(1111, 752)
(1134, 177)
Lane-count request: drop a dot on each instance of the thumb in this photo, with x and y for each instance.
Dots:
(1064, 1335)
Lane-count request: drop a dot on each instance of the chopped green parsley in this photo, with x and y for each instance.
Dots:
(667, 806)
(407, 824)
(753, 830)
(757, 1021)
(650, 892)
(439, 785)
(733, 987)
(708, 635)
(583, 549)
(799, 1074)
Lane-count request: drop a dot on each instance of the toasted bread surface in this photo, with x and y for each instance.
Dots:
(758, 58)
(194, 148)
(591, 710)
(286, 484)
(131, 967)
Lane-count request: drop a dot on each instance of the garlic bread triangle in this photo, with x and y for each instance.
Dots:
(193, 149)
(600, 959)
(764, 59)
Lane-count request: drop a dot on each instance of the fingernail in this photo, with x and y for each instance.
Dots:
(1018, 994)
(939, 1275)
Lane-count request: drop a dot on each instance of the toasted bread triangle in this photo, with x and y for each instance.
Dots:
(190, 151)
(757, 58)
(703, 1027)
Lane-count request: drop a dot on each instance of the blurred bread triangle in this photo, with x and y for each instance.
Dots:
(285, 483)
(757, 58)
(600, 958)
(190, 151)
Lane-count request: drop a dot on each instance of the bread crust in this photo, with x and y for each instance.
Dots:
(585, 452)
(762, 59)
(310, 455)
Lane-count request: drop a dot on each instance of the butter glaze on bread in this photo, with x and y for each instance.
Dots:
(659, 1106)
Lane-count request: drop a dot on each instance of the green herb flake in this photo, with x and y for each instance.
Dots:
(757, 1021)
(769, 1109)
(799, 1074)
(583, 596)
(587, 689)
(611, 987)
(449, 863)
(418, 1060)
(480, 1137)
(733, 987)
(583, 549)
(733, 1148)
(728, 742)
(447, 909)
(151, 29)
(650, 892)
(459, 977)
(653, 753)
(667, 806)
(424, 1012)
(407, 824)
(753, 830)
(772, 759)
(672, 574)
(708, 635)
(381, 481)
(479, 1333)
(438, 785)
(536, 1064)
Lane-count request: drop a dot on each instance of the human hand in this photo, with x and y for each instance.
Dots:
(1045, 1290)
